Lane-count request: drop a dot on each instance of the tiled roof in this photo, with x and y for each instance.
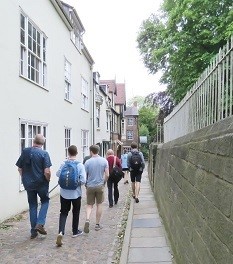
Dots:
(120, 97)
(131, 111)
(111, 84)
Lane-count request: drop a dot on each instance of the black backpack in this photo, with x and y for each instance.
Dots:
(136, 161)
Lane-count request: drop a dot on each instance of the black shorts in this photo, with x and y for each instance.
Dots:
(136, 176)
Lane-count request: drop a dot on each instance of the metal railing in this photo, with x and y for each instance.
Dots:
(208, 101)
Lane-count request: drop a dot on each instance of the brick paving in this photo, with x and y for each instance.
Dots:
(96, 247)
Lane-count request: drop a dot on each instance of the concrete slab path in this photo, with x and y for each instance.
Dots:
(145, 238)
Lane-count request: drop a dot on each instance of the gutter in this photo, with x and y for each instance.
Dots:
(58, 6)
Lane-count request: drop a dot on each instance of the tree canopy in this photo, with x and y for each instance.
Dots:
(182, 38)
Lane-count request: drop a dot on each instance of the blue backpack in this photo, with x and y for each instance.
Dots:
(69, 176)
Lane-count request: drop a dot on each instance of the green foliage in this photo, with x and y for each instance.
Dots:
(143, 130)
(147, 120)
(181, 40)
(163, 101)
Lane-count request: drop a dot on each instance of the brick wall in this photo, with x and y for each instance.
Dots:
(192, 178)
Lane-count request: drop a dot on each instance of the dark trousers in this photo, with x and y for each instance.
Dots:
(112, 185)
(65, 208)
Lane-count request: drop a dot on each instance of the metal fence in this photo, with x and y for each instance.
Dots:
(158, 138)
(209, 100)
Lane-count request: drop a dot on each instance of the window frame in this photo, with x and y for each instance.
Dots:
(98, 116)
(33, 43)
(85, 142)
(67, 139)
(26, 137)
(127, 134)
(67, 79)
(130, 121)
(84, 94)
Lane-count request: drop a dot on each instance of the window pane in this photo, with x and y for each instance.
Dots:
(22, 21)
(22, 36)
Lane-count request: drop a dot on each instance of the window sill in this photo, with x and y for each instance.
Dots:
(37, 84)
(68, 101)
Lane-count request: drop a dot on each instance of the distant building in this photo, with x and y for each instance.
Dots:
(130, 128)
(102, 115)
(117, 105)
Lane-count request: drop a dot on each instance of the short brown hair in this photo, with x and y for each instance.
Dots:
(72, 150)
(94, 149)
(134, 145)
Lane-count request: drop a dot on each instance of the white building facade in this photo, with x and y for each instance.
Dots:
(47, 87)
(102, 115)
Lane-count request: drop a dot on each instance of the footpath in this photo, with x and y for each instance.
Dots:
(144, 240)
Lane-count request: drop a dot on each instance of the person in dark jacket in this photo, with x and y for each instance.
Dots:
(135, 174)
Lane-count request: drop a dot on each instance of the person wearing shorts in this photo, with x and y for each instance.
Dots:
(97, 175)
(135, 175)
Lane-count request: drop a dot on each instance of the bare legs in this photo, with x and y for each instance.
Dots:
(99, 209)
(137, 189)
(126, 177)
(88, 211)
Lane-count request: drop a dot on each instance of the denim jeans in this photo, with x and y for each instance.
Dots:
(112, 185)
(35, 216)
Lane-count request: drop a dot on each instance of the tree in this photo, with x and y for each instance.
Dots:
(147, 118)
(181, 40)
(163, 102)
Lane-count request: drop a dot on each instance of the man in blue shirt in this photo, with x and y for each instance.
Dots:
(34, 167)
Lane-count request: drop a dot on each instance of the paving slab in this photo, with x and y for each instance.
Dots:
(142, 255)
(148, 222)
(153, 215)
(148, 242)
(148, 232)
(142, 211)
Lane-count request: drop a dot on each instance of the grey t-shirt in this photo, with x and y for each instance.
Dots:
(95, 167)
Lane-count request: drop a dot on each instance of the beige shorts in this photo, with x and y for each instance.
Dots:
(95, 194)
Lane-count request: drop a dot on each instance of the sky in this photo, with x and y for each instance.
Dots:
(111, 29)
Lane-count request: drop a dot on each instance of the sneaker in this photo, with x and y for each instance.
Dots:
(116, 202)
(59, 240)
(34, 235)
(133, 196)
(110, 206)
(86, 227)
(98, 227)
(79, 233)
(136, 200)
(126, 182)
(40, 228)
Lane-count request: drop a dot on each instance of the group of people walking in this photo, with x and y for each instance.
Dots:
(95, 172)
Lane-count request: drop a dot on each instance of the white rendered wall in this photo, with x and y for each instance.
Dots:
(21, 98)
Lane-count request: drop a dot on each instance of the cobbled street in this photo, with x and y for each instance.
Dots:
(95, 247)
